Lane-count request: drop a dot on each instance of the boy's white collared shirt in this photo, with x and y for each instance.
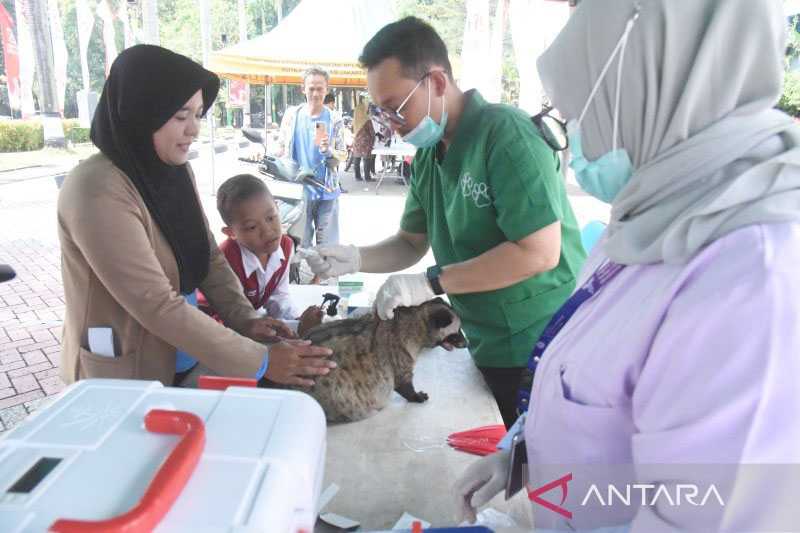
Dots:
(279, 299)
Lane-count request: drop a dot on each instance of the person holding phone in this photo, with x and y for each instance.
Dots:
(321, 133)
(309, 134)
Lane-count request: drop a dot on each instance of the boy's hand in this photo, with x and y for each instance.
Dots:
(294, 362)
(281, 328)
(268, 330)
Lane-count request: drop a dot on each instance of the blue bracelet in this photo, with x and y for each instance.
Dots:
(263, 369)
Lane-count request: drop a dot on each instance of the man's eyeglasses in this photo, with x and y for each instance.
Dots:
(385, 117)
(553, 130)
(389, 118)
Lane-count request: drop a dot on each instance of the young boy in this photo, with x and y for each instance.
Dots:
(256, 249)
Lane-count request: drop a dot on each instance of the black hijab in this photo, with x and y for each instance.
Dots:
(147, 85)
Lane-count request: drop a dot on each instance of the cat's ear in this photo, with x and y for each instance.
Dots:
(441, 318)
(438, 300)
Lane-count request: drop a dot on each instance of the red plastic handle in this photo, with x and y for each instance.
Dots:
(165, 487)
(222, 383)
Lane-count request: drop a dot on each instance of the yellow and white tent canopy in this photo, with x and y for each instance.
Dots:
(316, 33)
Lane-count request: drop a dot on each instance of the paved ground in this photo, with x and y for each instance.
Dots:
(32, 306)
(31, 314)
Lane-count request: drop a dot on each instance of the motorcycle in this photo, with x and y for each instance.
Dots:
(281, 169)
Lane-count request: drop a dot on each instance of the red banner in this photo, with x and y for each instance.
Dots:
(237, 92)
(10, 56)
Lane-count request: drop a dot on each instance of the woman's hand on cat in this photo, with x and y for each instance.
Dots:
(294, 362)
(402, 290)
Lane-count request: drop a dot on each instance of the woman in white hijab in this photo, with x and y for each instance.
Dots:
(683, 346)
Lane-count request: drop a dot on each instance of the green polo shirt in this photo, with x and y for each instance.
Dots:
(499, 181)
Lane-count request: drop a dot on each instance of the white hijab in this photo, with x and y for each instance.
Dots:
(699, 82)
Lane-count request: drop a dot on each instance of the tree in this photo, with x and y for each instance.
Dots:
(180, 27)
(448, 19)
(180, 23)
(261, 17)
(59, 51)
(5, 105)
(95, 58)
(151, 16)
(446, 16)
(790, 99)
(84, 22)
(36, 16)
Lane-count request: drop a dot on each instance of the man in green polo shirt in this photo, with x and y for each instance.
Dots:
(486, 195)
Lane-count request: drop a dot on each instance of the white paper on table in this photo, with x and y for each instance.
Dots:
(326, 496)
(491, 518)
(339, 521)
(407, 520)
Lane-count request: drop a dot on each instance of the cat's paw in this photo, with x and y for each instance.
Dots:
(420, 397)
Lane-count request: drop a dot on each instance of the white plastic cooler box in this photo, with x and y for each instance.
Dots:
(134, 456)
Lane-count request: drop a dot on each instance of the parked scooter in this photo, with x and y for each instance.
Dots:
(281, 169)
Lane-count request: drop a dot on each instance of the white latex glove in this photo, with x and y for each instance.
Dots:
(402, 290)
(479, 483)
(334, 260)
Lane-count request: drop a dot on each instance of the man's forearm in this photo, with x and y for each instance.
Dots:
(502, 266)
(392, 254)
(505, 264)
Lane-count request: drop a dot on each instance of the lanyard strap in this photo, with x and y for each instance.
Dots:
(600, 278)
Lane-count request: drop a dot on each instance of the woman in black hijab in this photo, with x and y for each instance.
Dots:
(135, 241)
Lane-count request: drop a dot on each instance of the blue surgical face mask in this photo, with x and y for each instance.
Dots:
(604, 177)
(427, 132)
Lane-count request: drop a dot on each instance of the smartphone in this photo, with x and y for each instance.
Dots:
(517, 466)
(320, 133)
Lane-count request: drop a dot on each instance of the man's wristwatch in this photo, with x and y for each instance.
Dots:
(433, 274)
